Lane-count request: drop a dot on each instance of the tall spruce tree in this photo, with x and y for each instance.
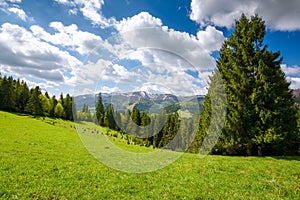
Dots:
(7, 100)
(100, 110)
(34, 105)
(109, 120)
(53, 103)
(261, 117)
(67, 104)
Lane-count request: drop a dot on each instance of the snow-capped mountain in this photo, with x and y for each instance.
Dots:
(141, 100)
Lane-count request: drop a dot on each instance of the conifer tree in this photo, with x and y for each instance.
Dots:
(109, 117)
(67, 104)
(34, 105)
(7, 101)
(53, 103)
(261, 117)
(100, 110)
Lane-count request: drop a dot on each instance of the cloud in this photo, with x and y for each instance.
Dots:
(12, 6)
(54, 76)
(24, 54)
(278, 14)
(90, 9)
(19, 12)
(65, 2)
(292, 75)
(106, 89)
(290, 71)
(148, 56)
(146, 31)
(211, 39)
(15, 1)
(295, 82)
(68, 36)
(139, 21)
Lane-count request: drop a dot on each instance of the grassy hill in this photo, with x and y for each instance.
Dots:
(45, 159)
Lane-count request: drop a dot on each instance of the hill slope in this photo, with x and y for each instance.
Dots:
(46, 160)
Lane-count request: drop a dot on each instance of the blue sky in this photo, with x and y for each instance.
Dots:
(159, 46)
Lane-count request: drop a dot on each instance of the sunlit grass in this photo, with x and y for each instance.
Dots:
(42, 160)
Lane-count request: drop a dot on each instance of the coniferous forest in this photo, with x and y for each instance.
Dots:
(261, 115)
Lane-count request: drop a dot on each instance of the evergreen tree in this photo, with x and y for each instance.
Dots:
(211, 120)
(275, 130)
(145, 119)
(109, 120)
(136, 119)
(100, 110)
(22, 97)
(261, 117)
(170, 130)
(34, 105)
(67, 104)
(7, 101)
(85, 108)
(47, 95)
(117, 119)
(53, 103)
(136, 116)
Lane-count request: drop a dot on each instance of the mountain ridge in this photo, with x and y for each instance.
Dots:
(139, 99)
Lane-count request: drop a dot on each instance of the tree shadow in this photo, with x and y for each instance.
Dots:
(297, 158)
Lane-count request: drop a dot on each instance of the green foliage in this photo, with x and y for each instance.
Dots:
(7, 96)
(34, 105)
(261, 116)
(136, 116)
(169, 131)
(46, 105)
(84, 114)
(22, 96)
(145, 119)
(68, 106)
(16, 96)
(59, 110)
(100, 112)
(40, 160)
(109, 120)
(53, 103)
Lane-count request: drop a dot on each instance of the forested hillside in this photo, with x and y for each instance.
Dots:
(16, 96)
(262, 117)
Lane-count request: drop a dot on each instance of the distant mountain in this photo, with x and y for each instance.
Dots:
(141, 100)
(296, 93)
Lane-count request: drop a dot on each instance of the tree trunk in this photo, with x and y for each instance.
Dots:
(259, 150)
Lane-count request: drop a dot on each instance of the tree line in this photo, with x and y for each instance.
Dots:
(15, 96)
(261, 115)
(160, 130)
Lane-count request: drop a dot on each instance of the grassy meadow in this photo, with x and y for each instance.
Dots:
(45, 159)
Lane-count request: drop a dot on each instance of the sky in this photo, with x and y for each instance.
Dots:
(157, 46)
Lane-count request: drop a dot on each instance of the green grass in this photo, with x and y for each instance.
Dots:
(40, 159)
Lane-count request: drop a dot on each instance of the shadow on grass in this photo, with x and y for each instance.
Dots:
(297, 158)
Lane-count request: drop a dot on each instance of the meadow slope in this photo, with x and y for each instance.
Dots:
(45, 159)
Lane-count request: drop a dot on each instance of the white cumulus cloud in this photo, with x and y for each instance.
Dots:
(90, 9)
(165, 55)
(145, 31)
(24, 54)
(19, 12)
(292, 75)
(278, 14)
(68, 36)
